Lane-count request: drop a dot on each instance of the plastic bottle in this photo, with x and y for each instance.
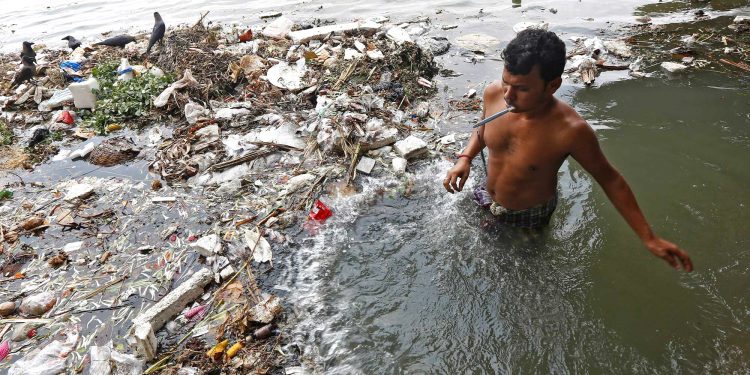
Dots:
(124, 71)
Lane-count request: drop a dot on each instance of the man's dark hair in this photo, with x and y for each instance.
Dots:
(535, 46)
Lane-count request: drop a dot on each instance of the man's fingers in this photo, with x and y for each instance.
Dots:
(446, 184)
(687, 264)
(464, 177)
(671, 260)
(454, 183)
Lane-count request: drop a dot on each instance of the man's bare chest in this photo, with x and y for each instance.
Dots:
(524, 148)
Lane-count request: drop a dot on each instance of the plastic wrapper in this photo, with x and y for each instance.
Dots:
(50, 360)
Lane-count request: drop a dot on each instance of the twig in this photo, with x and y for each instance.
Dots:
(304, 202)
(275, 212)
(89, 310)
(242, 159)
(19, 177)
(345, 74)
(103, 288)
(277, 145)
(200, 21)
(351, 173)
(245, 221)
(740, 65)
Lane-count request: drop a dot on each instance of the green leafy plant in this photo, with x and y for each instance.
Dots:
(118, 101)
(6, 135)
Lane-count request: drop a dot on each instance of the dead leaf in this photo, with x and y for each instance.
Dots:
(233, 292)
(63, 216)
(32, 222)
(58, 260)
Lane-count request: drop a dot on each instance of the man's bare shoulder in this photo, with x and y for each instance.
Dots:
(573, 129)
(493, 90)
(570, 119)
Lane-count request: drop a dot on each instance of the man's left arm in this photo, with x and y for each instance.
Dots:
(587, 152)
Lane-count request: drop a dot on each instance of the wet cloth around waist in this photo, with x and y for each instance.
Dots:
(533, 217)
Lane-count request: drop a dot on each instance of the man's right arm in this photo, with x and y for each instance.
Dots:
(458, 175)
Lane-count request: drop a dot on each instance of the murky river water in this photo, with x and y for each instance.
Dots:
(414, 285)
(411, 283)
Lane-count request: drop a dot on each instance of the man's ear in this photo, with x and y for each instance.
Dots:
(554, 84)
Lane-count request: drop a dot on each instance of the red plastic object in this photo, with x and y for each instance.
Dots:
(4, 350)
(195, 311)
(320, 212)
(246, 36)
(31, 333)
(65, 117)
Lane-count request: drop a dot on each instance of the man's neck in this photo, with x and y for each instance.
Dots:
(540, 111)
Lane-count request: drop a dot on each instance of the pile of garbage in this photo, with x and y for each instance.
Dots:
(243, 133)
(720, 42)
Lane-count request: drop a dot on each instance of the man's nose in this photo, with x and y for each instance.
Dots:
(510, 94)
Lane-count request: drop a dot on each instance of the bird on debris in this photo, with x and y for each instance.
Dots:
(116, 41)
(26, 73)
(158, 33)
(28, 51)
(73, 43)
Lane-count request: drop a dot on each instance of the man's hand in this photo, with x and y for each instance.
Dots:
(457, 176)
(670, 253)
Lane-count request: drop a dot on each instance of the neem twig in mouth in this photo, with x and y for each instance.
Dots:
(496, 115)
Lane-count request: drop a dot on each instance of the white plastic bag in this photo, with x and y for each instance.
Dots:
(50, 360)
(186, 80)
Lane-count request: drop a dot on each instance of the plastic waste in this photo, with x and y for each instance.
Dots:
(186, 80)
(126, 364)
(71, 70)
(263, 332)
(261, 249)
(320, 211)
(279, 28)
(83, 95)
(290, 77)
(193, 111)
(124, 71)
(156, 72)
(195, 312)
(4, 350)
(83, 151)
(38, 304)
(58, 98)
(246, 36)
(65, 117)
(50, 360)
(100, 356)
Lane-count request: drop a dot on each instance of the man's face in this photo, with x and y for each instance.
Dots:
(526, 92)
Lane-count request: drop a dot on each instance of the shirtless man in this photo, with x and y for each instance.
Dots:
(528, 145)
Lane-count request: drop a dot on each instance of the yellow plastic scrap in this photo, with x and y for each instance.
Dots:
(217, 350)
(113, 127)
(234, 349)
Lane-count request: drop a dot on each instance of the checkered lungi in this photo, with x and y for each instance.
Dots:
(533, 217)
